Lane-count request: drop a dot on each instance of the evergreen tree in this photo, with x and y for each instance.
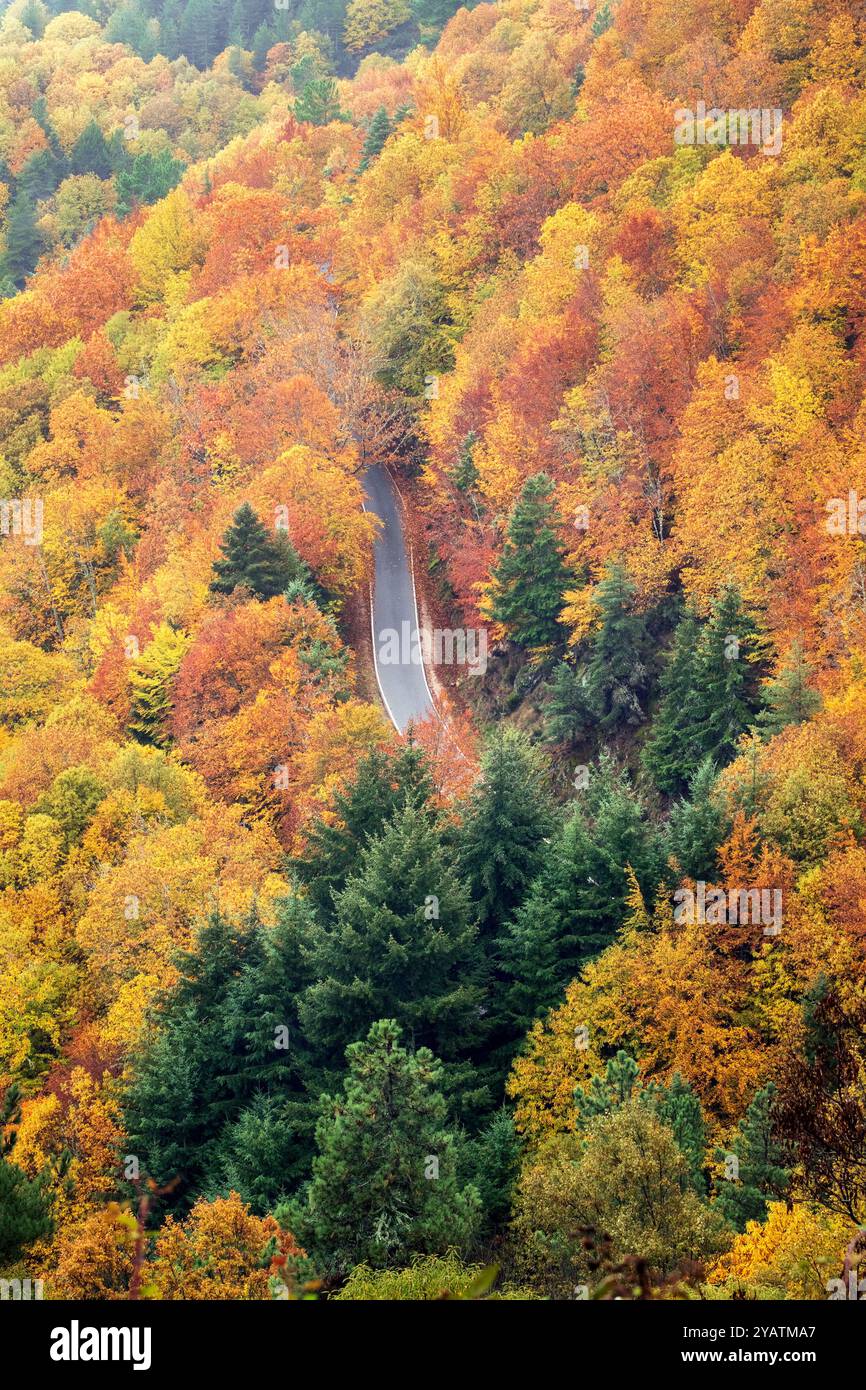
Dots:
(616, 674)
(24, 1202)
(698, 825)
(607, 1093)
(150, 684)
(728, 689)
(252, 560)
(23, 242)
(318, 103)
(763, 1174)
(90, 153)
(383, 784)
(680, 1109)
(670, 753)
(465, 473)
(491, 1164)
(789, 699)
(380, 129)
(579, 901)
(531, 576)
(402, 939)
(197, 33)
(263, 42)
(710, 693)
(41, 175)
(33, 17)
(146, 179)
(384, 1186)
(567, 715)
(194, 1076)
(507, 819)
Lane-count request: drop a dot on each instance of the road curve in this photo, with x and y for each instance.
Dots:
(394, 609)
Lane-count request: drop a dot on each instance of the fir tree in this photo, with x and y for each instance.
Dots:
(146, 179)
(567, 715)
(383, 784)
(491, 1164)
(380, 129)
(531, 576)
(23, 242)
(507, 819)
(263, 42)
(465, 473)
(763, 1175)
(252, 560)
(197, 33)
(680, 1109)
(616, 674)
(90, 153)
(789, 698)
(727, 695)
(402, 940)
(670, 753)
(579, 900)
(384, 1186)
(698, 825)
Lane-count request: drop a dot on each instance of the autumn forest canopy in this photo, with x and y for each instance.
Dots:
(559, 993)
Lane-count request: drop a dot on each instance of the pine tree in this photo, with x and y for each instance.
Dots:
(465, 473)
(616, 674)
(402, 940)
(579, 901)
(384, 1186)
(380, 129)
(23, 242)
(491, 1163)
(531, 576)
(789, 699)
(763, 1174)
(90, 153)
(41, 175)
(383, 784)
(698, 825)
(607, 1093)
(507, 819)
(680, 1109)
(146, 179)
(252, 560)
(150, 684)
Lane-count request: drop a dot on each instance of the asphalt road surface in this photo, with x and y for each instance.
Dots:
(394, 609)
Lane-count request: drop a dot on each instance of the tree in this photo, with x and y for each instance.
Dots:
(567, 715)
(763, 1172)
(506, 822)
(150, 684)
(789, 698)
(380, 129)
(698, 825)
(579, 900)
(318, 102)
(147, 179)
(90, 153)
(23, 241)
(24, 1204)
(263, 42)
(389, 1125)
(197, 34)
(626, 1182)
(531, 576)
(402, 939)
(710, 693)
(252, 560)
(616, 673)
(383, 784)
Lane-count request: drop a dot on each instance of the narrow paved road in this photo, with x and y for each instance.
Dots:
(394, 609)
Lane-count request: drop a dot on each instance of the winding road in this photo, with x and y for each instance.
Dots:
(394, 609)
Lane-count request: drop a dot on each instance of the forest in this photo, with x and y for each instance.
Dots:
(560, 992)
